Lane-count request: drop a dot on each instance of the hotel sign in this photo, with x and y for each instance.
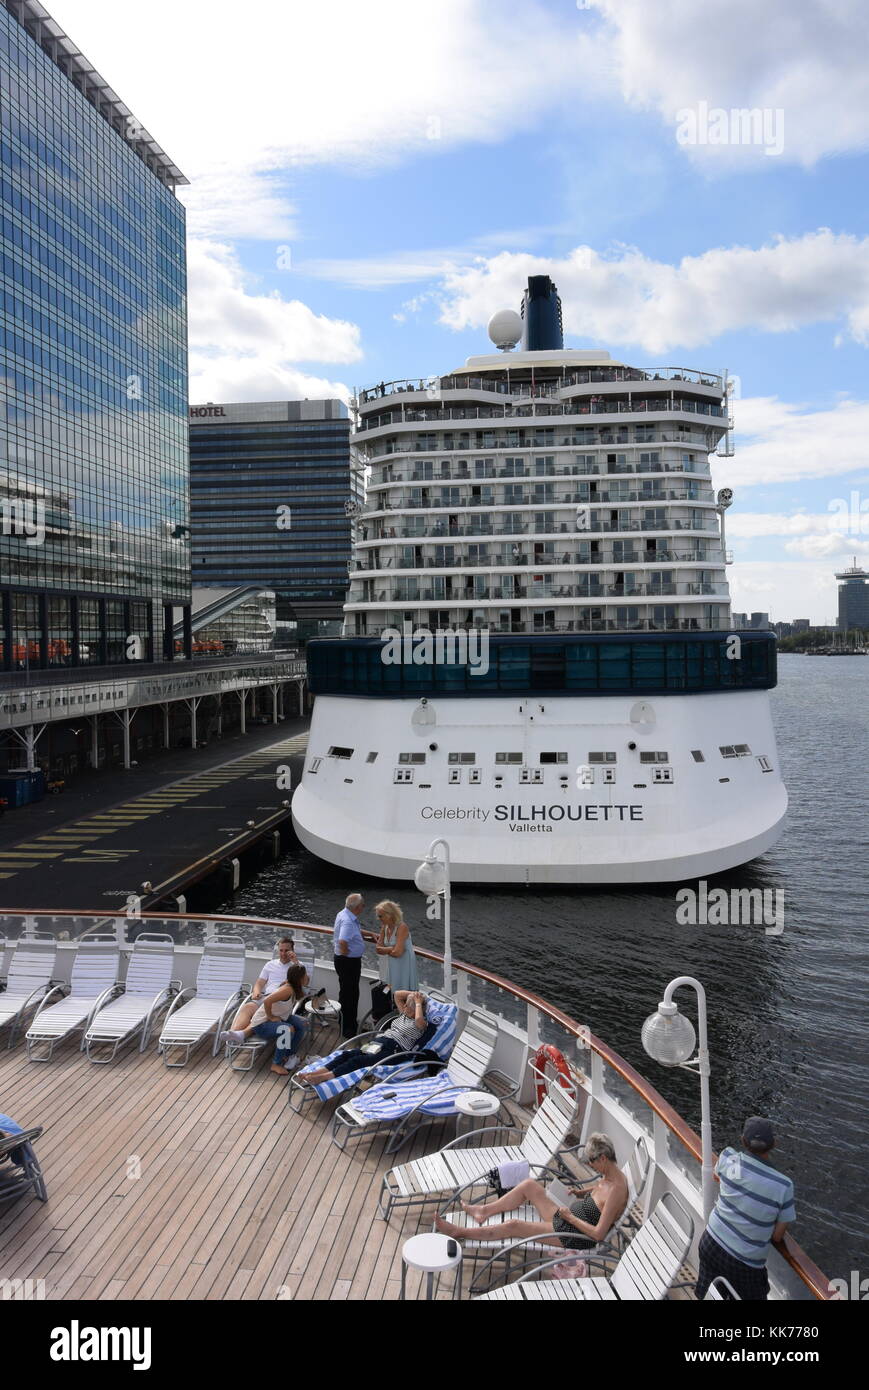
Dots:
(200, 412)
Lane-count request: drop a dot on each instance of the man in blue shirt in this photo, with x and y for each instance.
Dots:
(349, 946)
(755, 1205)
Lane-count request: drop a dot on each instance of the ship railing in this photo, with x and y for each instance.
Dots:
(414, 594)
(588, 438)
(598, 469)
(518, 387)
(616, 1094)
(594, 406)
(536, 624)
(606, 558)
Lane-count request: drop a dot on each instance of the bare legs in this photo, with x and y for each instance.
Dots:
(245, 1014)
(529, 1191)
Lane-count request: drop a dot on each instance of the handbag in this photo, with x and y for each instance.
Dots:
(381, 1001)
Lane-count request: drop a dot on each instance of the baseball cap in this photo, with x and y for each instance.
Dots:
(758, 1134)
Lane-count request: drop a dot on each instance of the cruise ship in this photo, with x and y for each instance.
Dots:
(538, 660)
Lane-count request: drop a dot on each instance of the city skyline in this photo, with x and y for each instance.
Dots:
(362, 221)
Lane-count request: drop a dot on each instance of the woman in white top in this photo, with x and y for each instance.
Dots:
(275, 1019)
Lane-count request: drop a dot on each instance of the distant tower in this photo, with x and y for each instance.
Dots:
(853, 598)
(541, 314)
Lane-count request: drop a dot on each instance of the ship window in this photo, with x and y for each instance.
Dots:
(372, 758)
(531, 774)
(650, 458)
(585, 776)
(697, 755)
(403, 774)
(742, 750)
(508, 757)
(475, 775)
(662, 774)
(553, 757)
(315, 763)
(654, 757)
(336, 752)
(765, 764)
(455, 774)
(415, 758)
(462, 757)
(727, 750)
(602, 757)
(608, 775)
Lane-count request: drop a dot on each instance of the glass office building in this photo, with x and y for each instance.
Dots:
(271, 501)
(94, 545)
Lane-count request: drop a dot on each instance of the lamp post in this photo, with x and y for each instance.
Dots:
(433, 878)
(669, 1038)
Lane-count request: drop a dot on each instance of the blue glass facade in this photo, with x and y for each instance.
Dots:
(681, 663)
(93, 376)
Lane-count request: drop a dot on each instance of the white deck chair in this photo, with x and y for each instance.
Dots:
(635, 1170)
(147, 989)
(198, 1011)
(456, 1165)
(29, 979)
(646, 1270)
(93, 982)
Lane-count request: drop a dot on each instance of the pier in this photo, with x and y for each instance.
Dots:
(152, 832)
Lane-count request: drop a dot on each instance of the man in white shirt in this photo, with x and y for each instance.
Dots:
(273, 976)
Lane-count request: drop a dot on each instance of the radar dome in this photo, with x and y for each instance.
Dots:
(505, 329)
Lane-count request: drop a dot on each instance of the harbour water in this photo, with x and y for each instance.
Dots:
(787, 1012)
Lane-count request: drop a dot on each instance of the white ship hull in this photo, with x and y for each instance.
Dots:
(712, 816)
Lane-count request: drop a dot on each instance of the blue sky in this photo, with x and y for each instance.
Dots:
(370, 182)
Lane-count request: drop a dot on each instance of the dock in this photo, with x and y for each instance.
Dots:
(169, 823)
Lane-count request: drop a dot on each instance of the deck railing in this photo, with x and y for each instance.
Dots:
(604, 1073)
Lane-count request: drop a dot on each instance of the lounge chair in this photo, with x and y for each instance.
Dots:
(29, 979)
(206, 1008)
(635, 1169)
(147, 989)
(646, 1270)
(19, 1167)
(93, 982)
(404, 1106)
(453, 1167)
(441, 1012)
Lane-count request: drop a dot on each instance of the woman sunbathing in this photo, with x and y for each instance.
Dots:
(403, 1035)
(578, 1227)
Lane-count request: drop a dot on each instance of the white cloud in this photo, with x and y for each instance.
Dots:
(626, 297)
(786, 442)
(361, 85)
(223, 313)
(235, 378)
(807, 59)
(786, 589)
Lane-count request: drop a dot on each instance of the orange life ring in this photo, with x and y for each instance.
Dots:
(546, 1052)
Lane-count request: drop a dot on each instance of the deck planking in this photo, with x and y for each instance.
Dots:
(237, 1198)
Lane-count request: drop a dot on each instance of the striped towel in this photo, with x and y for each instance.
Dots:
(437, 1094)
(446, 1018)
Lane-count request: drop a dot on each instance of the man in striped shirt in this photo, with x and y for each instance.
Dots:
(755, 1204)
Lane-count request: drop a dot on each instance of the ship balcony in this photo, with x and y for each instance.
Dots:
(605, 556)
(508, 592)
(484, 527)
(586, 437)
(519, 497)
(539, 624)
(600, 468)
(672, 404)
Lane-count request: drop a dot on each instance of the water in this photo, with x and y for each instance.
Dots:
(787, 1014)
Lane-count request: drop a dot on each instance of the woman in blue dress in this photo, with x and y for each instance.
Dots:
(394, 944)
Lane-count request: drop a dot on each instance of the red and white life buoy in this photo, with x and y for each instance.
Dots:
(547, 1053)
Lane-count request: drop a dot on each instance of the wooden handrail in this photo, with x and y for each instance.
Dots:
(803, 1266)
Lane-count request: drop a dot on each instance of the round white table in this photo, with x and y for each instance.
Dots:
(478, 1105)
(429, 1253)
(327, 1014)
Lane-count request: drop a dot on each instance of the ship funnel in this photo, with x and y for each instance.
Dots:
(541, 315)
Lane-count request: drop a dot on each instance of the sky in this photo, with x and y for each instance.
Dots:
(370, 180)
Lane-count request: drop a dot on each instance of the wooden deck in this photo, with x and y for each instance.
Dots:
(198, 1183)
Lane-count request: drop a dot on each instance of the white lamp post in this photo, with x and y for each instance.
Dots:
(433, 878)
(669, 1038)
